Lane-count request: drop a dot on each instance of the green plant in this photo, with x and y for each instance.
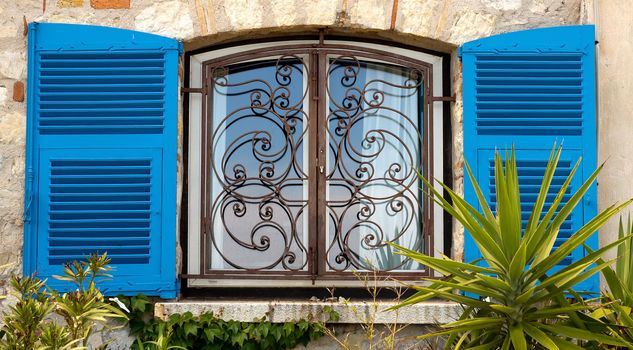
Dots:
(3, 268)
(56, 337)
(523, 304)
(387, 259)
(86, 307)
(208, 332)
(28, 324)
(615, 313)
(23, 320)
(620, 280)
(383, 336)
(163, 337)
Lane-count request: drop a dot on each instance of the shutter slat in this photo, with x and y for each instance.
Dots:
(97, 114)
(529, 193)
(108, 96)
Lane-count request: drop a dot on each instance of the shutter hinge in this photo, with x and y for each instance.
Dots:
(185, 90)
(443, 98)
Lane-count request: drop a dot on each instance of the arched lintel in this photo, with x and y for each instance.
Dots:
(388, 37)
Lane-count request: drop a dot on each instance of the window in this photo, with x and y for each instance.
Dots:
(323, 133)
(303, 161)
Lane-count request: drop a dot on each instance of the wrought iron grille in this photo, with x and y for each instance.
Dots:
(311, 160)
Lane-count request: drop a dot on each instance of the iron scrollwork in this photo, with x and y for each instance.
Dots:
(263, 196)
(375, 151)
(258, 208)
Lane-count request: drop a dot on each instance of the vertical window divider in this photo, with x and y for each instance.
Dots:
(321, 134)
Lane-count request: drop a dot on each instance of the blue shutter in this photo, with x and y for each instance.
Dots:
(531, 89)
(101, 154)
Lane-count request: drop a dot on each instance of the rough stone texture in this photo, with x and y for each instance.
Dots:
(18, 91)
(356, 338)
(8, 28)
(457, 122)
(12, 65)
(70, 3)
(117, 338)
(110, 4)
(3, 96)
(170, 18)
(285, 311)
(410, 321)
(352, 335)
(434, 24)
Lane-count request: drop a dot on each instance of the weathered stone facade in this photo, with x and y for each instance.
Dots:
(435, 24)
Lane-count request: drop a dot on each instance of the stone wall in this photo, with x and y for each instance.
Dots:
(435, 24)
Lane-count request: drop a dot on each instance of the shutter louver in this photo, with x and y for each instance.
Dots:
(530, 177)
(101, 153)
(100, 206)
(529, 90)
(109, 93)
(514, 89)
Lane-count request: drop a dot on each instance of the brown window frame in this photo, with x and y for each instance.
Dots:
(318, 58)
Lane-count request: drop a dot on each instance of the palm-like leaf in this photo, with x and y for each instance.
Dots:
(618, 300)
(524, 302)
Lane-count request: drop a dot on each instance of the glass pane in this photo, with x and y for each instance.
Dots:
(375, 144)
(259, 171)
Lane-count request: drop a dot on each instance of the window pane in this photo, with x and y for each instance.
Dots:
(375, 127)
(258, 170)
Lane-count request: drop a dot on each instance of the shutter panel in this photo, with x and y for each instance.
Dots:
(531, 89)
(101, 155)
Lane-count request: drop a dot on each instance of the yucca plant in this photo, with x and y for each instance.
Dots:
(522, 301)
(616, 312)
(620, 280)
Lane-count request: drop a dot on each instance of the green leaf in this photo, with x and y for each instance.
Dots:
(518, 338)
(139, 303)
(191, 328)
(576, 333)
(540, 336)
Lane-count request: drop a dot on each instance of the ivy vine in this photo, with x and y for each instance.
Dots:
(208, 332)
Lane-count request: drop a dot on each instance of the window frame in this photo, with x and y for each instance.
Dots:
(197, 61)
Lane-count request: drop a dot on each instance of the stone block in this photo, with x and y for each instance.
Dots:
(170, 18)
(110, 4)
(3, 95)
(70, 3)
(13, 129)
(13, 65)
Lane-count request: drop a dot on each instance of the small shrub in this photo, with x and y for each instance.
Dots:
(32, 323)
(208, 332)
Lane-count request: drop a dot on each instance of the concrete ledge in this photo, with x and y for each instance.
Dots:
(278, 311)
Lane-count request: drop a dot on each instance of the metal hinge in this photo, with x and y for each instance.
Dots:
(443, 98)
(185, 90)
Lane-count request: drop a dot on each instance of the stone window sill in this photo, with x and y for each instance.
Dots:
(352, 312)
